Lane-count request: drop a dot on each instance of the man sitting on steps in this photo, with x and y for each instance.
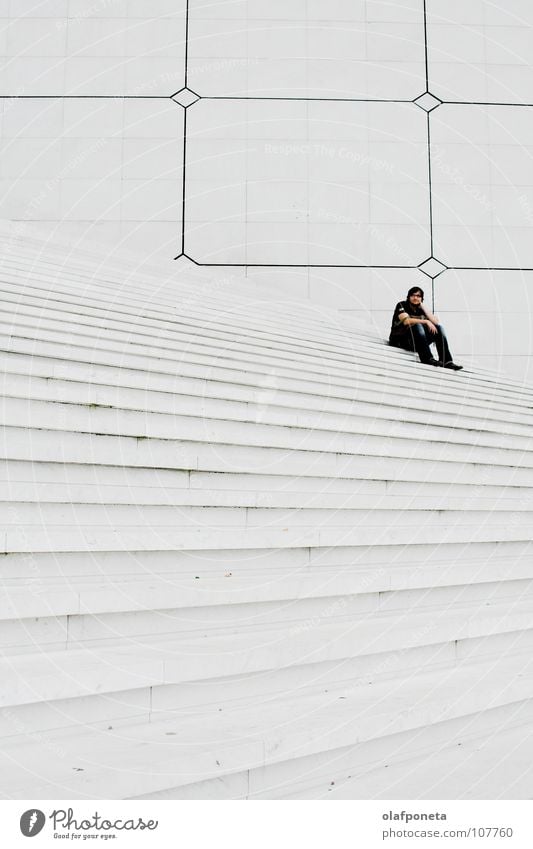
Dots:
(414, 328)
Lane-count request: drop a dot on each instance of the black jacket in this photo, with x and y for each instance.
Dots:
(397, 327)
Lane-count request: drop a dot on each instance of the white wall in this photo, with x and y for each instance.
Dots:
(90, 144)
(304, 150)
(97, 168)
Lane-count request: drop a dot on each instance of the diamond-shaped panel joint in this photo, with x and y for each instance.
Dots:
(427, 101)
(432, 267)
(185, 97)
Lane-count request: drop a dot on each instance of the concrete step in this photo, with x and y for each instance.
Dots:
(355, 422)
(94, 272)
(141, 424)
(179, 308)
(97, 308)
(304, 311)
(405, 765)
(371, 352)
(245, 529)
(30, 481)
(268, 406)
(57, 345)
(263, 391)
(378, 365)
(197, 287)
(107, 615)
(99, 661)
(133, 494)
(362, 517)
(34, 252)
(268, 388)
(250, 688)
(120, 273)
(437, 585)
(366, 567)
(499, 765)
(179, 315)
(386, 563)
(340, 319)
(152, 757)
(57, 445)
(202, 340)
(32, 538)
(179, 296)
(111, 527)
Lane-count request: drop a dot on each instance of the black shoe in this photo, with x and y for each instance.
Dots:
(453, 366)
(433, 362)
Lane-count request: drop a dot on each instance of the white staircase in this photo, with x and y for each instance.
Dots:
(248, 551)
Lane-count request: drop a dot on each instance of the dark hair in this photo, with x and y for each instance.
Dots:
(413, 290)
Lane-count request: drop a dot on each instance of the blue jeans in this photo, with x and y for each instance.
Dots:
(419, 338)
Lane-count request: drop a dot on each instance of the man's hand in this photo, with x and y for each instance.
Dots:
(431, 327)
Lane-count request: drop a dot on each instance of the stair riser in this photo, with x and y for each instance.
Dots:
(330, 337)
(229, 532)
(179, 289)
(264, 412)
(284, 744)
(197, 363)
(231, 605)
(144, 482)
(266, 391)
(20, 636)
(167, 701)
(178, 294)
(351, 367)
(290, 365)
(172, 284)
(186, 698)
(381, 567)
(64, 593)
(52, 599)
(96, 710)
(101, 449)
(162, 375)
(311, 778)
(117, 670)
(101, 566)
(29, 538)
(379, 516)
(27, 478)
(187, 335)
(316, 776)
(214, 311)
(61, 417)
(91, 311)
(151, 497)
(186, 331)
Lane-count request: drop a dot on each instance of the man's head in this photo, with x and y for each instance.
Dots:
(415, 295)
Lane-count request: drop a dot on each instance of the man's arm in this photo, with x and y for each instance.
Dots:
(429, 315)
(408, 320)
